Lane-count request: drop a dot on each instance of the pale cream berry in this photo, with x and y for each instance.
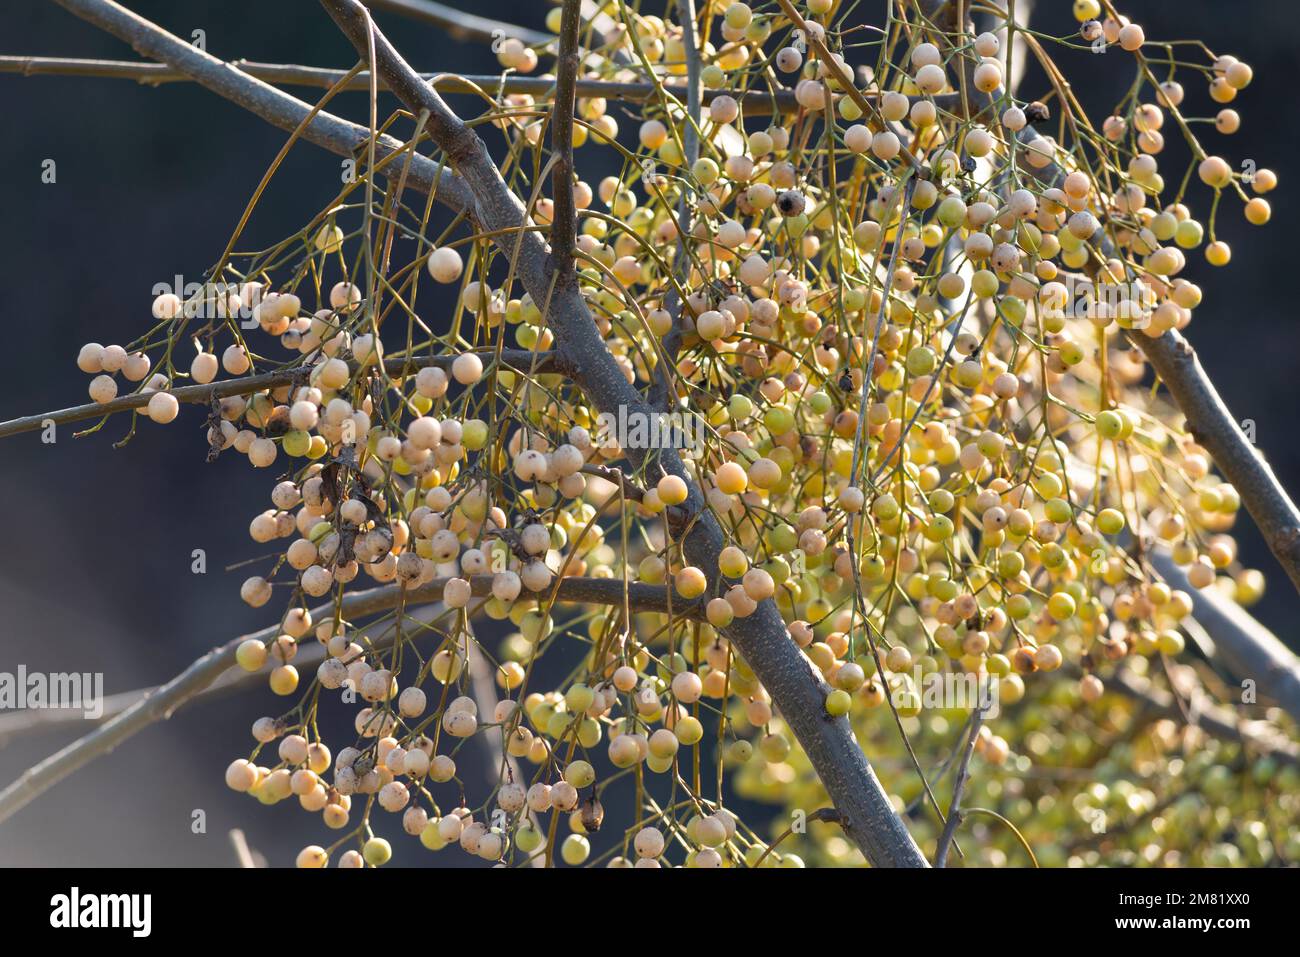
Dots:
(235, 360)
(648, 842)
(393, 796)
(1215, 171)
(431, 382)
(758, 584)
(459, 724)
(511, 797)
(653, 134)
(334, 374)
(467, 369)
(91, 358)
(707, 859)
(255, 591)
(411, 702)
(163, 407)
(136, 366)
(451, 826)
(445, 265)
(241, 775)
(416, 763)
(539, 798)
(893, 106)
(266, 729)
(1131, 37)
(167, 306)
(931, 78)
(987, 44)
(344, 295)
(317, 581)
(113, 358)
(262, 453)
(204, 368)
(367, 349)
(414, 820)
(293, 748)
(851, 499)
(988, 76)
(857, 138)
(332, 673)
(456, 593)
(885, 145)
(535, 538)
(1047, 657)
(925, 54)
(304, 415)
(564, 796)
(536, 576)
(103, 388)
(687, 687)
(788, 59)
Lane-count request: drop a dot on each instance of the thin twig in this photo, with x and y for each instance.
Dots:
(958, 786)
(243, 853)
(754, 102)
(460, 24)
(523, 359)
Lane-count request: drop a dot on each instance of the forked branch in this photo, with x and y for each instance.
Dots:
(870, 818)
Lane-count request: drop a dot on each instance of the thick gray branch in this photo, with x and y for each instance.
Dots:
(275, 106)
(1243, 646)
(869, 817)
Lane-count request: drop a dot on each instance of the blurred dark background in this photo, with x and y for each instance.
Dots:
(150, 184)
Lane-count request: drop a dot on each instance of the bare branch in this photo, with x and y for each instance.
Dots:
(161, 703)
(754, 102)
(958, 786)
(275, 106)
(522, 359)
(1211, 424)
(1243, 646)
(459, 23)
